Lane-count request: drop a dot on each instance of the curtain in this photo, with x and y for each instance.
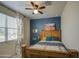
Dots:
(19, 33)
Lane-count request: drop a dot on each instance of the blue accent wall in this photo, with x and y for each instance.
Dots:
(39, 23)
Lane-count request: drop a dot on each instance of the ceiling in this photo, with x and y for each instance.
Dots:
(53, 10)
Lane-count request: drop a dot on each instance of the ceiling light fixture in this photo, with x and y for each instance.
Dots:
(35, 11)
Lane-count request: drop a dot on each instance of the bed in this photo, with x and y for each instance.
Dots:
(48, 49)
(49, 46)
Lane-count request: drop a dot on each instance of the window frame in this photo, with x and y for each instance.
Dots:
(6, 28)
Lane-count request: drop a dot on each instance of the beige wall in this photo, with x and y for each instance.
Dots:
(7, 11)
(26, 31)
(7, 48)
(70, 25)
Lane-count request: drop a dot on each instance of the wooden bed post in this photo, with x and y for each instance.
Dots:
(23, 50)
(73, 53)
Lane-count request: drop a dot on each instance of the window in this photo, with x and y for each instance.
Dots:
(12, 34)
(2, 20)
(11, 22)
(8, 28)
(2, 34)
(12, 28)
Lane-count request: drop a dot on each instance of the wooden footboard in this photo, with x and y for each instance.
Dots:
(34, 53)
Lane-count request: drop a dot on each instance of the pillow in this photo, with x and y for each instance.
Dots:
(49, 38)
(55, 39)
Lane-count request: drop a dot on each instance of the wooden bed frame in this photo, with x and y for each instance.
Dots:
(34, 53)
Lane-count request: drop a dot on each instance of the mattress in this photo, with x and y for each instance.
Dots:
(49, 45)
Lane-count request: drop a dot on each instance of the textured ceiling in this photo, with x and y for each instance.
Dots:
(53, 10)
